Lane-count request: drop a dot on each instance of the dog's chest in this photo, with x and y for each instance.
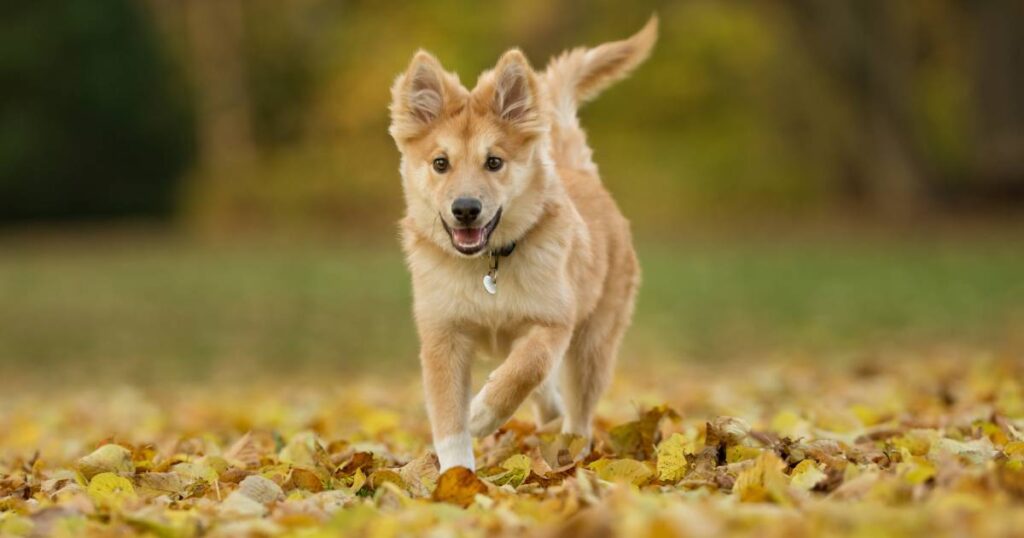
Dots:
(527, 288)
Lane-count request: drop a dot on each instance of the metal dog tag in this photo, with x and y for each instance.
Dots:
(491, 283)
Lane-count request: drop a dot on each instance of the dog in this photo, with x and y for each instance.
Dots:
(515, 247)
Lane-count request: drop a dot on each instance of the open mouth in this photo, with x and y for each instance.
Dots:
(471, 240)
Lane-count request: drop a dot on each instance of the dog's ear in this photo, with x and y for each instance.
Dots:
(516, 97)
(418, 96)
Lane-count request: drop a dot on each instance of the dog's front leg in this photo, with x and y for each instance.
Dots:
(532, 358)
(444, 358)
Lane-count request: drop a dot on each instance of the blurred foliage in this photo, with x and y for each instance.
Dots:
(93, 120)
(745, 109)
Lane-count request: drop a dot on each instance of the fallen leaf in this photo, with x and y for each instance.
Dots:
(622, 470)
(106, 459)
(672, 452)
(304, 479)
(260, 489)
(458, 486)
(764, 481)
(516, 470)
(806, 475)
(110, 491)
(637, 439)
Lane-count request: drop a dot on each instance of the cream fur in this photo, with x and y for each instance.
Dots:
(565, 296)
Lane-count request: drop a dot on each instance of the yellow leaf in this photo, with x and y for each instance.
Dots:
(110, 491)
(914, 469)
(1014, 450)
(806, 475)
(622, 470)
(517, 470)
(916, 442)
(106, 459)
(919, 474)
(672, 462)
(358, 480)
(738, 453)
(764, 481)
(197, 471)
(300, 450)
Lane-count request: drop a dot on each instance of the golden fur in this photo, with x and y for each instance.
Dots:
(566, 293)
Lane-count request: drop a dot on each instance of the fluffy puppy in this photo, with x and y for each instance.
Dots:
(515, 247)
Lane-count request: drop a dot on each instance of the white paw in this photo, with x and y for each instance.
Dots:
(483, 419)
(455, 451)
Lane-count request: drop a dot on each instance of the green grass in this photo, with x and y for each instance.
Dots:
(158, 309)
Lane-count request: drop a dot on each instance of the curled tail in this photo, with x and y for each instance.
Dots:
(579, 75)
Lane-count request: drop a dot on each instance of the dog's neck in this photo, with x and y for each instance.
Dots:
(504, 251)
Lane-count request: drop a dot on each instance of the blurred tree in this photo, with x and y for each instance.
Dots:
(215, 33)
(880, 55)
(94, 121)
(999, 87)
(866, 50)
(746, 108)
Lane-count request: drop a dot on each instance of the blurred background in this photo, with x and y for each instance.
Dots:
(202, 189)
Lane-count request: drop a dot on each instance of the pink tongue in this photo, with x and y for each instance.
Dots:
(468, 236)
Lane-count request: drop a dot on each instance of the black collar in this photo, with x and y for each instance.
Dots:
(504, 251)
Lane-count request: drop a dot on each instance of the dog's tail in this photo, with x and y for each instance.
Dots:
(579, 75)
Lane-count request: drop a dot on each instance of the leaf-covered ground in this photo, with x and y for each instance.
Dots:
(894, 446)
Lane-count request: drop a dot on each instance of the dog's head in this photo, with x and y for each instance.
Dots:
(473, 161)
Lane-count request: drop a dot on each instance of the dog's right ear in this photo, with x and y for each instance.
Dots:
(418, 96)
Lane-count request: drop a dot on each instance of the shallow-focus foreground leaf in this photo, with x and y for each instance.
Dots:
(460, 486)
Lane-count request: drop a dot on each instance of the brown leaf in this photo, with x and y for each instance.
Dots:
(300, 478)
(359, 460)
(562, 449)
(458, 485)
(637, 439)
(420, 475)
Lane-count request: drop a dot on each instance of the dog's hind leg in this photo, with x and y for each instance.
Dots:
(547, 398)
(590, 361)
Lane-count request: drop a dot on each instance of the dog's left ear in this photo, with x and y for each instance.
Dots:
(516, 97)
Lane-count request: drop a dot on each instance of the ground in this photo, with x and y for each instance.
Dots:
(868, 387)
(894, 446)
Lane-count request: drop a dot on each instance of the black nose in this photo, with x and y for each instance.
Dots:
(466, 210)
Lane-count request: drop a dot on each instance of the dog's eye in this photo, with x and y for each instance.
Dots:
(494, 164)
(440, 165)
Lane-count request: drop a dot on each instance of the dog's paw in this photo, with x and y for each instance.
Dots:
(455, 451)
(483, 418)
